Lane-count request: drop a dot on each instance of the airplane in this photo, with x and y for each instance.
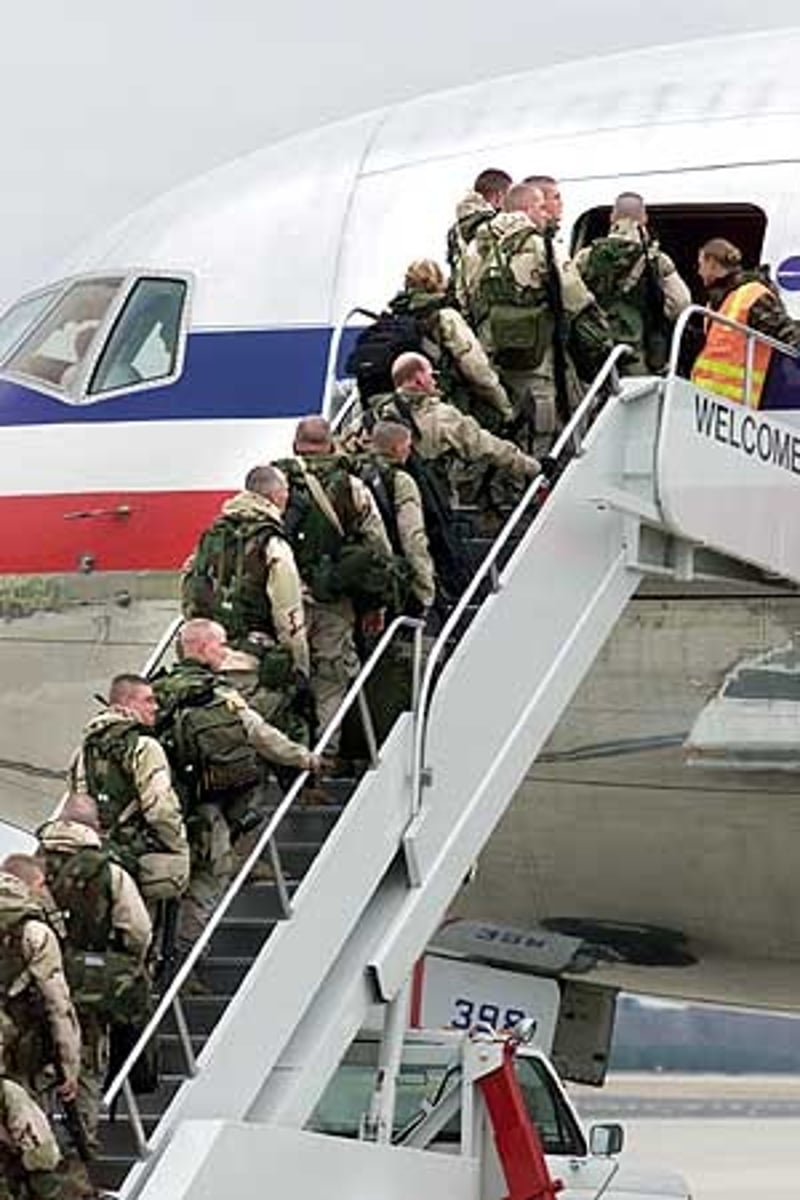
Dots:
(164, 358)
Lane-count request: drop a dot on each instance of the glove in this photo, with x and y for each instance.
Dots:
(551, 467)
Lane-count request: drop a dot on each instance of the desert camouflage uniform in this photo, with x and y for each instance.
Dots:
(440, 430)
(471, 212)
(404, 497)
(532, 390)
(283, 599)
(149, 833)
(132, 931)
(30, 1161)
(40, 1027)
(331, 625)
(209, 830)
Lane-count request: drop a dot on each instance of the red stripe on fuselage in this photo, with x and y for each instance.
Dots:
(118, 531)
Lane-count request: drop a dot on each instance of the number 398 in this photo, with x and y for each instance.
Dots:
(471, 1012)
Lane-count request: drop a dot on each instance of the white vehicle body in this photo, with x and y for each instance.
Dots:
(429, 1056)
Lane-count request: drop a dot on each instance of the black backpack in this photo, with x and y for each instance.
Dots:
(376, 348)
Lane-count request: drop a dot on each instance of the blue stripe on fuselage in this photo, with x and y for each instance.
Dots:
(226, 375)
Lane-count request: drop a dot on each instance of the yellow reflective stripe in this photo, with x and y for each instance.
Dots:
(717, 368)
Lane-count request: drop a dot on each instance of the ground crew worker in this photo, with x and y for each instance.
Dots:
(477, 207)
(636, 284)
(466, 377)
(41, 1035)
(244, 576)
(107, 932)
(329, 509)
(535, 317)
(721, 364)
(122, 765)
(398, 498)
(30, 1160)
(440, 431)
(215, 741)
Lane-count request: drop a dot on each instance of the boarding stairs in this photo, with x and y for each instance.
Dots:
(653, 484)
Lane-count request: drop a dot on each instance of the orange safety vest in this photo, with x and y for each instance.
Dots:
(720, 366)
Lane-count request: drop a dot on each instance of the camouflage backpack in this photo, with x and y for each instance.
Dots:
(108, 764)
(204, 738)
(17, 907)
(227, 579)
(332, 559)
(629, 291)
(104, 980)
(519, 318)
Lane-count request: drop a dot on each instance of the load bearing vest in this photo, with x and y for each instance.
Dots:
(721, 365)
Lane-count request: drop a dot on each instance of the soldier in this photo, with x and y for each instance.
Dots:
(41, 1035)
(466, 376)
(30, 1161)
(244, 576)
(439, 431)
(107, 935)
(636, 285)
(534, 315)
(479, 205)
(215, 741)
(122, 765)
(344, 557)
(400, 504)
(553, 202)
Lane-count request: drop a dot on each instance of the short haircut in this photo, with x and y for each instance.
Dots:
(519, 196)
(541, 181)
(406, 366)
(491, 181)
(723, 252)
(194, 634)
(386, 435)
(425, 275)
(630, 205)
(313, 432)
(25, 867)
(81, 808)
(123, 685)
(264, 480)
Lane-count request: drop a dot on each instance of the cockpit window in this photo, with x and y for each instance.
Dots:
(57, 347)
(753, 684)
(18, 319)
(144, 342)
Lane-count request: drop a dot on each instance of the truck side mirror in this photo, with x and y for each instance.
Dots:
(605, 1140)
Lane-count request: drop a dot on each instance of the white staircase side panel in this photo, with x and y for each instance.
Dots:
(207, 1160)
(729, 477)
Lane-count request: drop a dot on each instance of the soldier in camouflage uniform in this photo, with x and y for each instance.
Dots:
(41, 1034)
(398, 498)
(123, 766)
(479, 205)
(244, 576)
(440, 431)
(215, 741)
(536, 318)
(636, 284)
(107, 932)
(342, 505)
(30, 1161)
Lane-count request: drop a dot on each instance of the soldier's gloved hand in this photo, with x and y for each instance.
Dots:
(314, 764)
(551, 467)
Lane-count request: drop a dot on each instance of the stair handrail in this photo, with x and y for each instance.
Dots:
(333, 357)
(170, 997)
(752, 336)
(569, 436)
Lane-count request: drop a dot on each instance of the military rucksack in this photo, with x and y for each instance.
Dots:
(108, 752)
(104, 980)
(227, 579)
(322, 526)
(377, 346)
(624, 279)
(204, 738)
(520, 321)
